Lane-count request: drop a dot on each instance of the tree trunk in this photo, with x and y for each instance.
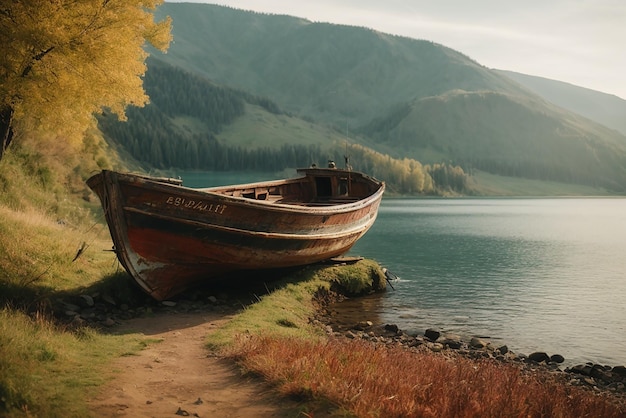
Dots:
(6, 129)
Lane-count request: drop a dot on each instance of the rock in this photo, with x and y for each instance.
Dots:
(109, 322)
(452, 341)
(88, 314)
(589, 381)
(598, 373)
(415, 343)
(77, 321)
(108, 299)
(476, 342)
(539, 357)
(557, 358)
(212, 299)
(87, 300)
(619, 370)
(435, 347)
(432, 334)
(168, 303)
(584, 369)
(503, 349)
(392, 328)
(71, 307)
(363, 325)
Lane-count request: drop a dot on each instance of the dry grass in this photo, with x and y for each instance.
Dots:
(37, 252)
(371, 381)
(48, 370)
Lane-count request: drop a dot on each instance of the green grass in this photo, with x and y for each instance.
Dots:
(492, 185)
(46, 216)
(46, 370)
(287, 310)
(259, 128)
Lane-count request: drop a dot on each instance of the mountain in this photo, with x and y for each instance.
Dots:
(395, 95)
(518, 136)
(327, 71)
(607, 109)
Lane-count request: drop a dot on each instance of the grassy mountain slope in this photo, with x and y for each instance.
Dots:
(327, 71)
(192, 123)
(507, 135)
(607, 109)
(404, 97)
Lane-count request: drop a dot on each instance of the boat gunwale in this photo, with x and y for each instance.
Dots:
(300, 207)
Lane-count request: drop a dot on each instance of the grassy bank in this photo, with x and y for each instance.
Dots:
(288, 310)
(52, 245)
(276, 340)
(46, 216)
(47, 368)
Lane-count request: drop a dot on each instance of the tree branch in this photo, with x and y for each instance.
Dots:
(37, 57)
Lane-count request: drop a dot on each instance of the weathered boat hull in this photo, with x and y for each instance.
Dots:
(170, 237)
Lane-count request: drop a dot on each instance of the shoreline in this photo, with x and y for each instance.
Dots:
(108, 313)
(609, 380)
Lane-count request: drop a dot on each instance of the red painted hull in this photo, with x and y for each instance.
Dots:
(169, 237)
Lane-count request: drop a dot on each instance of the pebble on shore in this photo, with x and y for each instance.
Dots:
(598, 377)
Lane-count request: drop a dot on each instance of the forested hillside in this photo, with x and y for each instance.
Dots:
(181, 126)
(325, 71)
(400, 98)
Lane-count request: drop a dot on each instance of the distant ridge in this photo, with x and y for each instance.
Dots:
(397, 96)
(321, 70)
(607, 109)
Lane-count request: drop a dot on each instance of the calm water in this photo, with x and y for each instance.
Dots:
(535, 274)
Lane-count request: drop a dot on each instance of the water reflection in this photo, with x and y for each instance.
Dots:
(536, 274)
(351, 312)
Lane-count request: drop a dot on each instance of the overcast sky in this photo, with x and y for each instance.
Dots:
(582, 42)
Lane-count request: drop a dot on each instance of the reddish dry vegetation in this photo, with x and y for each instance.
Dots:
(375, 381)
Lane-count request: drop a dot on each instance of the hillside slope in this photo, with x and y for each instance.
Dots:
(330, 72)
(506, 135)
(404, 97)
(607, 109)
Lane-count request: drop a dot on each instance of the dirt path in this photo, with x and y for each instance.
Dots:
(179, 377)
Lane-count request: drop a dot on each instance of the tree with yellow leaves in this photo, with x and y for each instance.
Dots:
(61, 61)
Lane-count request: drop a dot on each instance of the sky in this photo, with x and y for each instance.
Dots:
(582, 42)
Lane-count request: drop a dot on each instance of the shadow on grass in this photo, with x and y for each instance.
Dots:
(34, 297)
(117, 297)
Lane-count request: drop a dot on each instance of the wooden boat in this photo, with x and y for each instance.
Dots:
(170, 237)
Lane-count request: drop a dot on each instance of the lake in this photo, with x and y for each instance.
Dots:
(534, 274)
